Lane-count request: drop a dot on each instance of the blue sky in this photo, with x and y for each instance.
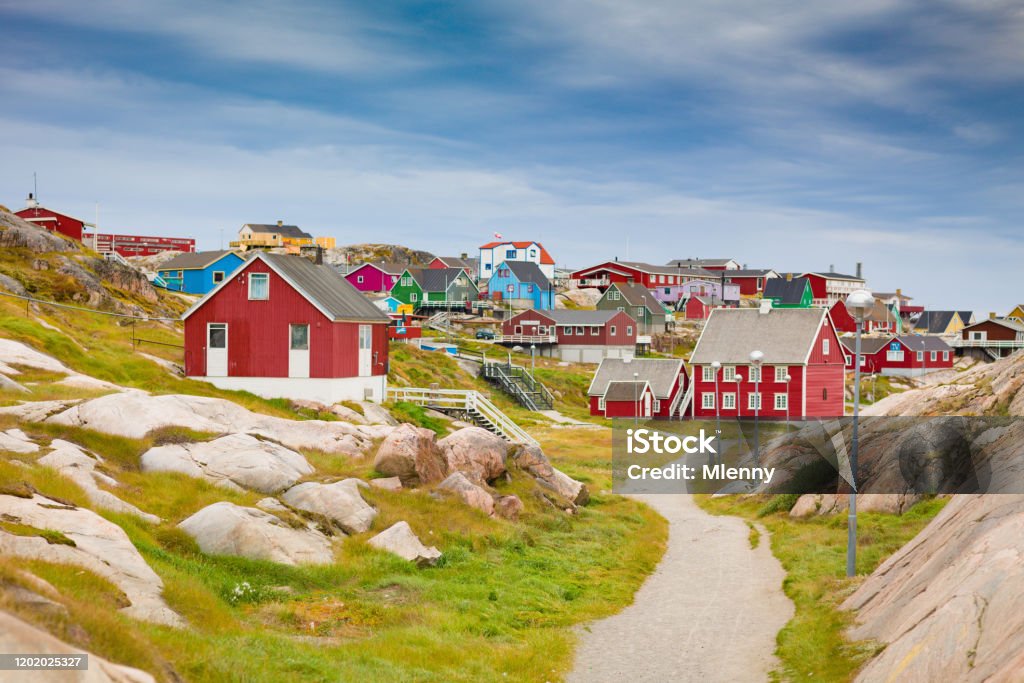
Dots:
(790, 135)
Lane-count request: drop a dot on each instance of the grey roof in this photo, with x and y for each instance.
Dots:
(437, 279)
(892, 295)
(284, 230)
(868, 345)
(748, 272)
(965, 316)
(625, 391)
(457, 262)
(325, 287)
(527, 271)
(385, 266)
(934, 321)
(660, 373)
(638, 295)
(667, 270)
(835, 276)
(700, 262)
(195, 260)
(923, 342)
(786, 291)
(573, 317)
(783, 335)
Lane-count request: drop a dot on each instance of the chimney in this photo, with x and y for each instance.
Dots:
(859, 269)
(899, 294)
(789, 277)
(831, 268)
(31, 202)
(319, 258)
(766, 307)
(992, 315)
(464, 256)
(616, 258)
(280, 223)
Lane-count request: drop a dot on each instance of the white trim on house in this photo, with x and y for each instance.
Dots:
(327, 390)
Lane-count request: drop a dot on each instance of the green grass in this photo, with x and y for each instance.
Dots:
(812, 646)
(417, 415)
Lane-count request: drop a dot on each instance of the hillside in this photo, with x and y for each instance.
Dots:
(375, 549)
(391, 253)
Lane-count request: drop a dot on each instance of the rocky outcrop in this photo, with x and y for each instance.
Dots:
(135, 413)
(508, 507)
(387, 483)
(949, 605)
(411, 454)
(17, 441)
(469, 493)
(400, 540)
(340, 502)
(374, 253)
(812, 504)
(476, 453)
(16, 232)
(81, 467)
(239, 461)
(228, 529)
(584, 297)
(19, 636)
(532, 460)
(84, 539)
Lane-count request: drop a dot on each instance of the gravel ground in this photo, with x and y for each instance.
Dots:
(710, 611)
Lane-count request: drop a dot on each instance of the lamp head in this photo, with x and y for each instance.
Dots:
(788, 378)
(756, 357)
(716, 364)
(859, 304)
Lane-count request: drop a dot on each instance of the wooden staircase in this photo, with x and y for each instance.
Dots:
(468, 404)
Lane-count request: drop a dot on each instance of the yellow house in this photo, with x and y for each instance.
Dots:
(1017, 313)
(325, 242)
(943, 322)
(265, 236)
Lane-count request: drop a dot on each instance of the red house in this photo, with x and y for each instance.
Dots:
(798, 343)
(699, 307)
(828, 288)
(375, 277)
(51, 220)
(646, 274)
(137, 245)
(750, 281)
(638, 387)
(910, 355)
(454, 262)
(882, 319)
(282, 326)
(576, 336)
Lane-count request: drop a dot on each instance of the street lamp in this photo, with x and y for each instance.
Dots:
(636, 399)
(787, 379)
(533, 348)
(716, 366)
(858, 304)
(756, 358)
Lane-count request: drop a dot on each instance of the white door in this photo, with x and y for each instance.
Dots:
(647, 405)
(365, 350)
(217, 350)
(298, 350)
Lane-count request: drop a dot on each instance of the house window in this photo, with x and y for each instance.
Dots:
(394, 279)
(934, 355)
(629, 330)
(781, 401)
(529, 289)
(708, 373)
(299, 337)
(620, 308)
(519, 329)
(414, 297)
(755, 373)
(729, 401)
(824, 347)
(600, 403)
(259, 286)
(567, 330)
(656, 406)
(218, 276)
(729, 373)
(542, 329)
(760, 283)
(668, 290)
(754, 401)
(595, 330)
(639, 312)
(894, 356)
(579, 330)
(510, 253)
(406, 281)
(614, 295)
(359, 279)
(920, 356)
(487, 266)
(780, 373)
(707, 400)
(945, 355)
(613, 330)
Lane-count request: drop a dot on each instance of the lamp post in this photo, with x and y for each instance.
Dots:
(636, 399)
(858, 304)
(716, 366)
(756, 358)
(738, 378)
(787, 379)
(533, 349)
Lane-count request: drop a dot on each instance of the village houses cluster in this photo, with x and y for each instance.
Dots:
(271, 316)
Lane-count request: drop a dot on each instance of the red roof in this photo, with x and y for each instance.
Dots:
(545, 257)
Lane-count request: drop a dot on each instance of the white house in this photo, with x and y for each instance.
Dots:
(493, 254)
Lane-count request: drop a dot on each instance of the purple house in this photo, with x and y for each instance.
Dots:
(375, 277)
(670, 295)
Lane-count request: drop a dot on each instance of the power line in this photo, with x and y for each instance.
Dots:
(89, 310)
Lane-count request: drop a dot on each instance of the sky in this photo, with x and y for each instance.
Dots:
(789, 135)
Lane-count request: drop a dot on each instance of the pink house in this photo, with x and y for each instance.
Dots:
(375, 277)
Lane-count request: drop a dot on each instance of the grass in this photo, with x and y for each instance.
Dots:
(417, 415)
(812, 646)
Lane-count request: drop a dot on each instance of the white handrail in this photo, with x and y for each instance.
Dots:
(987, 343)
(464, 399)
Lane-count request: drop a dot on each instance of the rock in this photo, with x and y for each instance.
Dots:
(508, 507)
(15, 353)
(339, 502)
(8, 384)
(19, 636)
(228, 529)
(400, 540)
(476, 452)
(271, 505)
(412, 454)
(239, 460)
(100, 546)
(17, 441)
(11, 285)
(387, 483)
(532, 460)
(376, 414)
(584, 297)
(29, 600)
(348, 415)
(80, 467)
(472, 495)
(811, 504)
(134, 414)
(949, 605)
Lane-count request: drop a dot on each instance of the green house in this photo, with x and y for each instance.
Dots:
(435, 288)
(789, 292)
(636, 300)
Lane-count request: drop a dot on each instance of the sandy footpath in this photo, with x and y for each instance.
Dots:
(710, 612)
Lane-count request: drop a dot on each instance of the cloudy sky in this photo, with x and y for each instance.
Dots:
(784, 134)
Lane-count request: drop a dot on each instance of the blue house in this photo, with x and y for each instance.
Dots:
(199, 272)
(523, 283)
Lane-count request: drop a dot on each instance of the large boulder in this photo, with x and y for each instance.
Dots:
(19, 636)
(508, 507)
(235, 460)
(469, 493)
(412, 454)
(228, 529)
(17, 441)
(340, 502)
(476, 452)
(812, 504)
(80, 467)
(583, 297)
(532, 460)
(82, 538)
(400, 540)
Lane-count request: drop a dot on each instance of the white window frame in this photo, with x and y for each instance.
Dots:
(262, 277)
(781, 401)
(707, 400)
(754, 373)
(934, 356)
(825, 346)
(567, 330)
(920, 356)
(708, 373)
(729, 373)
(595, 330)
(729, 401)
(359, 279)
(407, 282)
(629, 330)
(217, 280)
(750, 400)
(579, 331)
(780, 373)
(414, 296)
(894, 356)
(613, 330)
(600, 403)
(945, 355)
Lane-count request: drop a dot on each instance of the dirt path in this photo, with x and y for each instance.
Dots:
(710, 612)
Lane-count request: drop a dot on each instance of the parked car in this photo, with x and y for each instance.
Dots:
(485, 333)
